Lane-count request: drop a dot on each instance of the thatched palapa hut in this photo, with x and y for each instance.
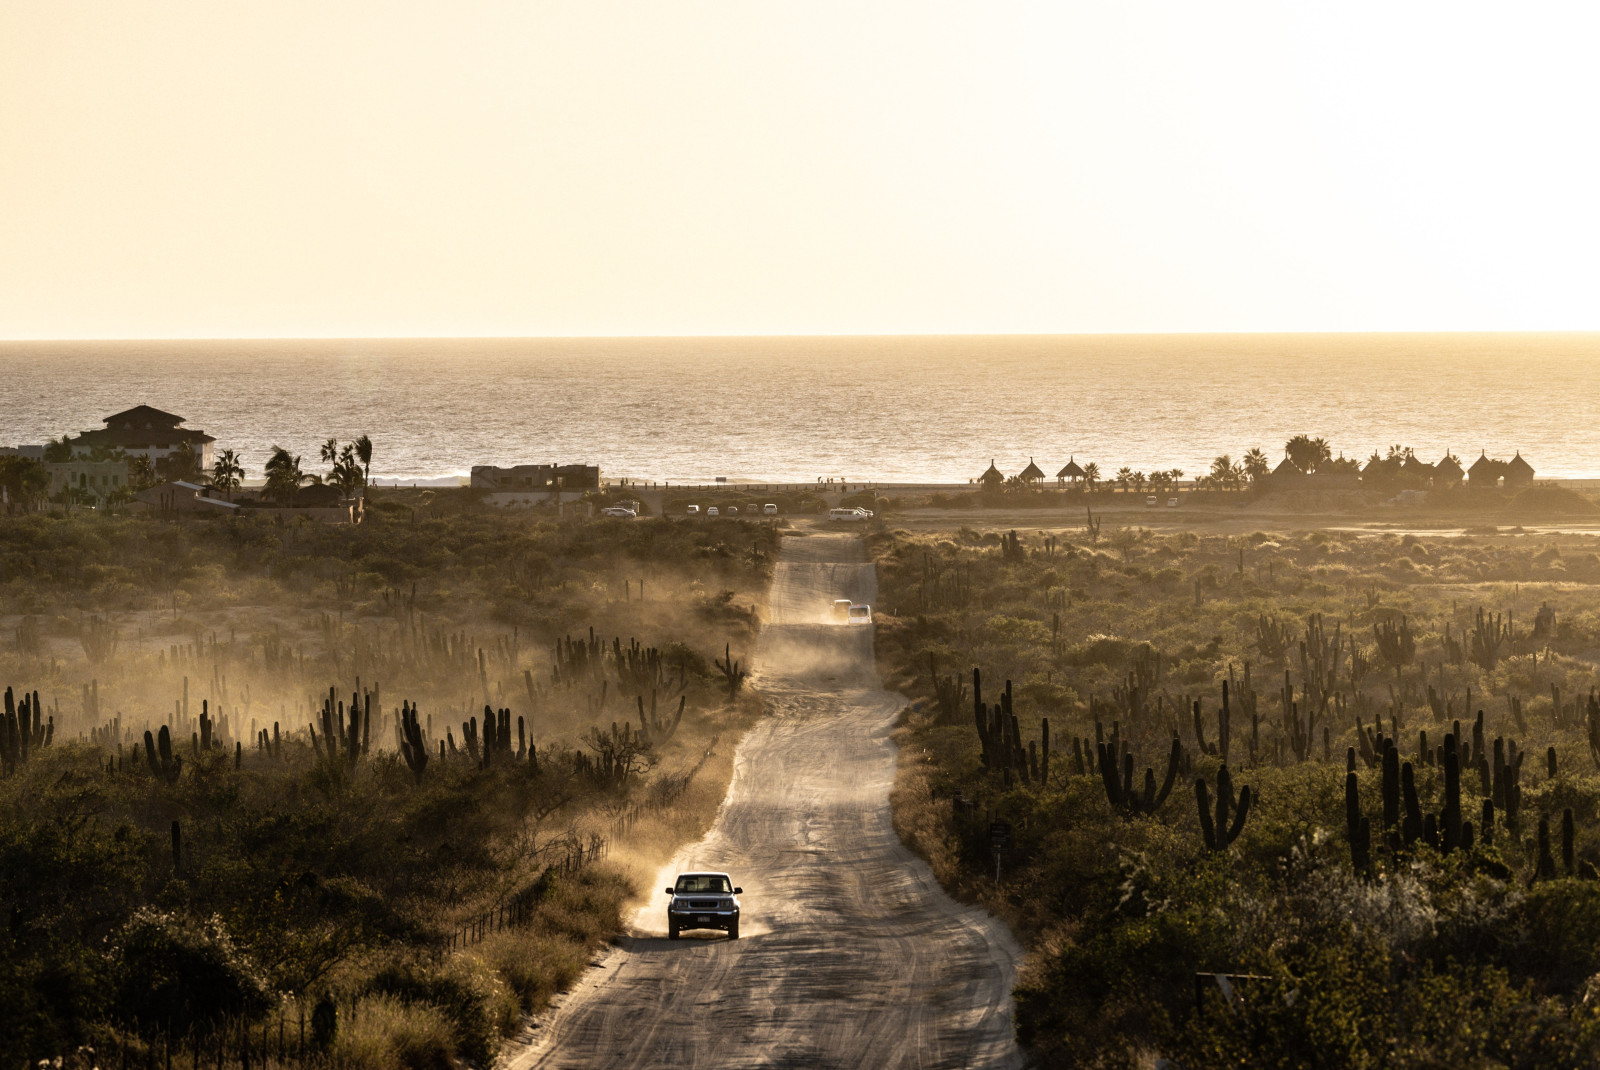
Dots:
(993, 477)
(1031, 474)
(1071, 473)
(1447, 473)
(1519, 473)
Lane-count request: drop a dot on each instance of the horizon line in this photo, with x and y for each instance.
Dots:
(802, 335)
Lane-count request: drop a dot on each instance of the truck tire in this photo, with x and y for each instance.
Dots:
(672, 929)
(733, 930)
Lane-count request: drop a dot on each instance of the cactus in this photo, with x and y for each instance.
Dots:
(1217, 832)
(1568, 853)
(1358, 828)
(949, 692)
(1411, 824)
(158, 755)
(1450, 818)
(1119, 791)
(1488, 636)
(1044, 750)
(1550, 762)
(1391, 790)
(1546, 867)
(412, 746)
(733, 674)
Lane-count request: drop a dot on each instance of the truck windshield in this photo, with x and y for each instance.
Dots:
(703, 884)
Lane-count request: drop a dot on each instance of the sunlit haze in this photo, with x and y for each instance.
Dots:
(517, 169)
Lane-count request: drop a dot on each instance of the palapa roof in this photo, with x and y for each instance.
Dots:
(1518, 465)
(142, 417)
(1482, 464)
(1287, 467)
(1071, 471)
(1031, 472)
(1448, 464)
(1413, 463)
(992, 474)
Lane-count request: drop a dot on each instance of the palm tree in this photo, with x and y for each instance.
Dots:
(1255, 464)
(1091, 475)
(227, 473)
(1307, 453)
(1221, 470)
(364, 453)
(347, 474)
(284, 476)
(1138, 479)
(1124, 478)
(330, 450)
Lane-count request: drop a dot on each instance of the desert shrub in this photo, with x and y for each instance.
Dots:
(463, 989)
(176, 972)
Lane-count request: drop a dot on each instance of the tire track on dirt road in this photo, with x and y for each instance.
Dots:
(850, 954)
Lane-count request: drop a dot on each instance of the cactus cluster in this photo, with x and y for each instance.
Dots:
(163, 763)
(345, 737)
(1119, 782)
(1000, 737)
(1219, 827)
(24, 730)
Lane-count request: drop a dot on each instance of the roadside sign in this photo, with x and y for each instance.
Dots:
(999, 833)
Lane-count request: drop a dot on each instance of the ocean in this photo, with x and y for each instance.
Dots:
(889, 409)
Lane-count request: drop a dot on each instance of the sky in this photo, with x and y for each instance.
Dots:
(389, 169)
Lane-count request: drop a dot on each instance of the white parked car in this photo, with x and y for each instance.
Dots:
(694, 510)
(769, 509)
(621, 511)
(733, 510)
(713, 511)
(849, 516)
(1150, 499)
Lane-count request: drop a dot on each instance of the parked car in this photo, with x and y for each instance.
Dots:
(849, 515)
(733, 510)
(694, 510)
(769, 509)
(1150, 500)
(703, 901)
(841, 610)
(860, 614)
(1172, 503)
(713, 511)
(621, 511)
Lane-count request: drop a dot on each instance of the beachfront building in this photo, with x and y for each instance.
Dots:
(1070, 473)
(1519, 473)
(144, 431)
(524, 478)
(1031, 475)
(91, 482)
(993, 479)
(181, 498)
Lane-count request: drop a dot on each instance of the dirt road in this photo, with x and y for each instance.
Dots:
(850, 955)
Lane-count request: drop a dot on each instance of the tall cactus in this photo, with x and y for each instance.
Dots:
(1358, 827)
(412, 746)
(1119, 789)
(1216, 829)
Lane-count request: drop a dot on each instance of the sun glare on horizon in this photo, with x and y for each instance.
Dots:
(370, 170)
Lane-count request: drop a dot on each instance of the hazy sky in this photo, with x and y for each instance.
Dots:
(343, 168)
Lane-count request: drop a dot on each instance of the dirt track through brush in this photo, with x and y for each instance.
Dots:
(851, 955)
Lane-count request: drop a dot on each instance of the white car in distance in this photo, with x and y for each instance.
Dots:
(849, 516)
(713, 511)
(619, 511)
